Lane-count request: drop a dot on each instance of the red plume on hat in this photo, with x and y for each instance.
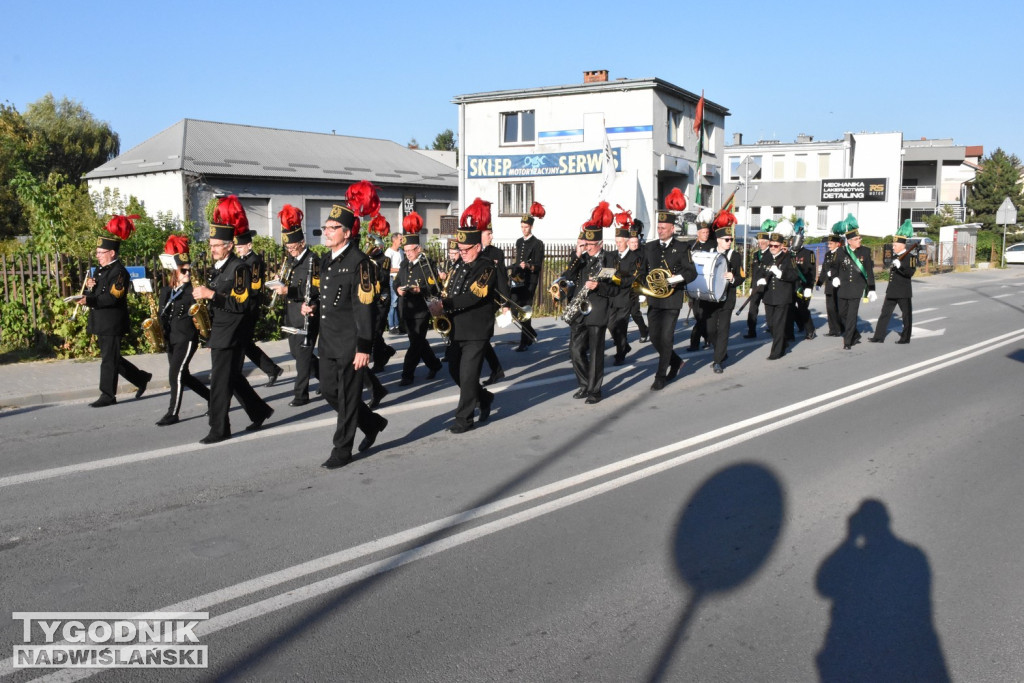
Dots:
(724, 219)
(624, 217)
(477, 215)
(121, 227)
(362, 198)
(412, 223)
(176, 244)
(537, 210)
(600, 217)
(380, 226)
(291, 217)
(675, 201)
(229, 211)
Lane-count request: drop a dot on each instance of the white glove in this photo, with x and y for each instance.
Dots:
(872, 296)
(641, 298)
(835, 282)
(896, 263)
(674, 279)
(762, 282)
(807, 292)
(776, 271)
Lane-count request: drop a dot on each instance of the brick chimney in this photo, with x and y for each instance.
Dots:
(600, 76)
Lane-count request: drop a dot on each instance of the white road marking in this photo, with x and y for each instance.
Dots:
(964, 303)
(772, 422)
(930, 320)
(925, 310)
(1003, 296)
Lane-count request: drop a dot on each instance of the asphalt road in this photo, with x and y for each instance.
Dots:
(835, 515)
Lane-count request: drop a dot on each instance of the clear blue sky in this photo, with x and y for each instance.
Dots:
(389, 69)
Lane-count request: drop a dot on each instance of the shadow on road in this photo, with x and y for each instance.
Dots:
(881, 617)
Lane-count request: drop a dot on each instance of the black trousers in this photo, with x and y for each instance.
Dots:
(802, 316)
(306, 362)
(465, 361)
(112, 364)
(491, 357)
(835, 325)
(379, 355)
(178, 357)
(777, 317)
(419, 347)
(906, 312)
(755, 303)
(848, 310)
(719, 320)
(342, 387)
(638, 317)
(662, 326)
(524, 297)
(259, 358)
(618, 319)
(586, 348)
(700, 323)
(226, 379)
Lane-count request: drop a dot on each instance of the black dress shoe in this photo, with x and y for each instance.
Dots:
(594, 398)
(875, 341)
(691, 349)
(103, 402)
(336, 461)
(521, 348)
(211, 438)
(644, 339)
(460, 429)
(833, 334)
(580, 393)
(433, 372)
(750, 335)
(495, 377)
(812, 335)
(297, 402)
(167, 420)
(378, 396)
(485, 406)
(371, 436)
(274, 375)
(774, 357)
(659, 384)
(258, 424)
(618, 361)
(717, 367)
(405, 381)
(902, 341)
(847, 347)
(142, 387)
(673, 368)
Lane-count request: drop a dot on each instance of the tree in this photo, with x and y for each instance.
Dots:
(71, 141)
(15, 142)
(940, 219)
(997, 180)
(413, 144)
(445, 141)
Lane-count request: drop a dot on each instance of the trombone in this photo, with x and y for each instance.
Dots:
(520, 314)
(442, 324)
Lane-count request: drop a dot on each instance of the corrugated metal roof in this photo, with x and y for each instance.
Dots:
(212, 148)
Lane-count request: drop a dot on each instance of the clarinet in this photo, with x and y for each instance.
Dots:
(309, 286)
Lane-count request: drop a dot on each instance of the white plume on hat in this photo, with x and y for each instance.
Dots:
(784, 228)
(705, 217)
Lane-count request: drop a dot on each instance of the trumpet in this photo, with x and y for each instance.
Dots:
(562, 290)
(200, 313)
(284, 276)
(78, 304)
(442, 324)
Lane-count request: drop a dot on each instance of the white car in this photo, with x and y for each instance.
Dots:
(1015, 253)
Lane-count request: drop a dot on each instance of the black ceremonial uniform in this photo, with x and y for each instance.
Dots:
(663, 314)
(108, 320)
(524, 281)
(700, 308)
(898, 293)
(497, 256)
(413, 309)
(829, 271)
(587, 332)
(181, 339)
(258, 273)
(346, 327)
(853, 284)
(469, 303)
(634, 297)
(628, 265)
(231, 286)
(720, 312)
(302, 272)
(756, 293)
(777, 298)
(382, 351)
(806, 269)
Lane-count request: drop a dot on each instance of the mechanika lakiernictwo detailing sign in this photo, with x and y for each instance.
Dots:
(853, 190)
(525, 165)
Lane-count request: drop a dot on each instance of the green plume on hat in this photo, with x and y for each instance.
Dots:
(905, 230)
(839, 228)
(798, 227)
(851, 222)
(768, 225)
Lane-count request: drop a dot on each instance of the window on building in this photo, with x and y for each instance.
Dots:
(675, 127)
(757, 160)
(707, 195)
(801, 166)
(776, 213)
(516, 198)
(800, 212)
(823, 165)
(778, 167)
(823, 218)
(734, 168)
(518, 127)
(709, 137)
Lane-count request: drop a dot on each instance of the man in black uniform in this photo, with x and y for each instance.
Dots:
(345, 307)
(777, 277)
(108, 316)
(627, 264)
(181, 337)
(587, 332)
(828, 272)
(900, 290)
(526, 272)
(666, 254)
(382, 352)
(806, 270)
(720, 312)
(469, 304)
(634, 243)
(700, 310)
(303, 277)
(416, 283)
(755, 265)
(855, 278)
(228, 290)
(493, 253)
(254, 306)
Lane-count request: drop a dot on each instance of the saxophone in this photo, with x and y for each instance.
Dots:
(152, 328)
(579, 306)
(200, 313)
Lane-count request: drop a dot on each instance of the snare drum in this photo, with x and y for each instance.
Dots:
(710, 284)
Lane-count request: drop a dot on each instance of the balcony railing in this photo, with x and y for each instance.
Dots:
(917, 193)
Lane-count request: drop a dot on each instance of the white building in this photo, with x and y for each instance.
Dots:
(546, 144)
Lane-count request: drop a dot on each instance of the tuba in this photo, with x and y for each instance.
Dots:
(152, 328)
(200, 313)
